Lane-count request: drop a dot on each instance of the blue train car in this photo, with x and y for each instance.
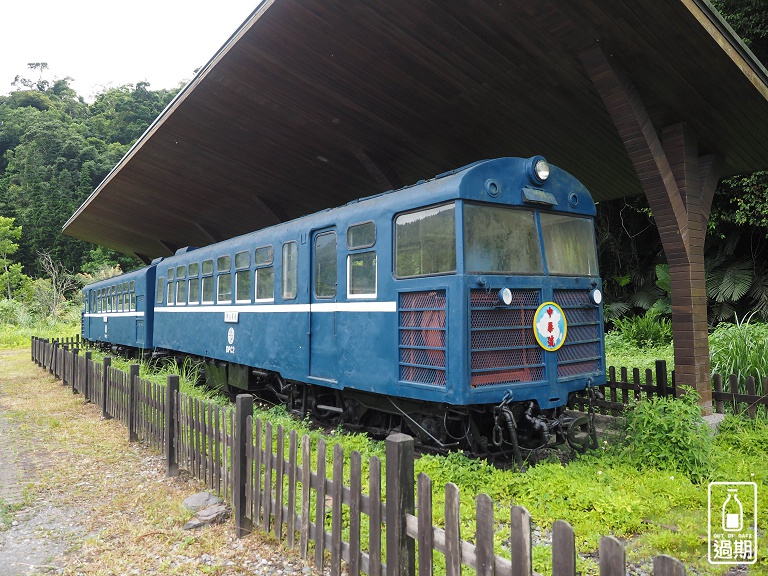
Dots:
(451, 308)
(118, 311)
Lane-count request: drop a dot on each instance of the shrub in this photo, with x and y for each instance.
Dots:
(740, 349)
(650, 329)
(14, 313)
(670, 434)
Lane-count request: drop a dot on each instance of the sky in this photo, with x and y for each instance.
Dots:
(105, 43)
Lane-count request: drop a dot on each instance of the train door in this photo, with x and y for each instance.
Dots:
(323, 351)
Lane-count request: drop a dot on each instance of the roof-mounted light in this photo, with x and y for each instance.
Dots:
(538, 170)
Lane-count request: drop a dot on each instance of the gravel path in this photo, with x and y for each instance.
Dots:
(40, 533)
(76, 498)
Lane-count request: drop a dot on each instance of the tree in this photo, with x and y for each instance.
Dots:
(52, 296)
(8, 233)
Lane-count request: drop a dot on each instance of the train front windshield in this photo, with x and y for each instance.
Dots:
(497, 240)
(500, 240)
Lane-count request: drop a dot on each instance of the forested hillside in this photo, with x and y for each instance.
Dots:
(55, 148)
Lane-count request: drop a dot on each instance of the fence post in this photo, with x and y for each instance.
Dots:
(54, 346)
(105, 388)
(62, 369)
(243, 410)
(74, 370)
(171, 391)
(401, 550)
(133, 390)
(612, 557)
(87, 376)
(664, 565)
(661, 378)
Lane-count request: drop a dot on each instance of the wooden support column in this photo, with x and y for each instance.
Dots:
(679, 185)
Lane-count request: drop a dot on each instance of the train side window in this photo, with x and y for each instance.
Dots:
(119, 307)
(290, 270)
(132, 288)
(114, 298)
(361, 275)
(326, 274)
(207, 281)
(265, 274)
(181, 285)
(243, 277)
(181, 292)
(194, 283)
(171, 293)
(263, 256)
(361, 236)
(425, 242)
(224, 280)
(160, 290)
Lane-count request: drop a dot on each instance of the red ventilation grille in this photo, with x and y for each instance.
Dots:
(580, 354)
(503, 347)
(423, 337)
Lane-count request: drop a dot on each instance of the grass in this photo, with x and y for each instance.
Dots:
(621, 352)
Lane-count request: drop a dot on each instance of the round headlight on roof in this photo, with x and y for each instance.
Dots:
(538, 170)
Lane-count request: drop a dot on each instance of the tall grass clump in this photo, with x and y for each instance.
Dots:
(650, 329)
(740, 349)
(668, 433)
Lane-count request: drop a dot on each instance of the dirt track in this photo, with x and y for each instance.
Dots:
(83, 500)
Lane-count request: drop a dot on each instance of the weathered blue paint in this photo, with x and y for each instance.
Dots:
(122, 326)
(359, 343)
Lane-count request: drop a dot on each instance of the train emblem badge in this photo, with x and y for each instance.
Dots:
(550, 326)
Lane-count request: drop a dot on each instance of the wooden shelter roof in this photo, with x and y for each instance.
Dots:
(313, 103)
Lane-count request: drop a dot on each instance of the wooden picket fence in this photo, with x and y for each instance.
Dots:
(270, 480)
(621, 391)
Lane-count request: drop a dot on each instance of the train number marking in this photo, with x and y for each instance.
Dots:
(231, 340)
(231, 317)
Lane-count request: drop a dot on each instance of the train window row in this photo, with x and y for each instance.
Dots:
(119, 297)
(252, 278)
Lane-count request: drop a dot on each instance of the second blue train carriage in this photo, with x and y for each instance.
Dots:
(119, 311)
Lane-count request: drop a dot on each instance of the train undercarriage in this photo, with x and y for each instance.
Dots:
(506, 432)
(503, 433)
